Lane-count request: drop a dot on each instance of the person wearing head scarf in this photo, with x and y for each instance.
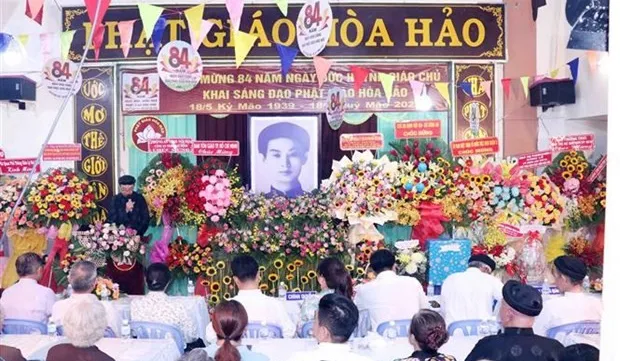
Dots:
(472, 294)
(517, 342)
(574, 306)
(129, 208)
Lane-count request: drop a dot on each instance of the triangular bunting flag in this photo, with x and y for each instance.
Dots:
(243, 44)
(592, 60)
(359, 76)
(91, 8)
(554, 73)
(466, 87)
(387, 82)
(525, 83)
(158, 33)
(205, 27)
(65, 43)
(235, 9)
(321, 66)
(5, 40)
(149, 15)
(125, 29)
(574, 69)
(38, 18)
(442, 87)
(98, 39)
(33, 9)
(23, 39)
(287, 56)
(506, 86)
(194, 19)
(283, 6)
(416, 87)
(486, 86)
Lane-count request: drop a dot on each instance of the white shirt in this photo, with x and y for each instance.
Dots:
(390, 297)
(261, 308)
(570, 308)
(28, 300)
(158, 307)
(61, 307)
(469, 295)
(329, 352)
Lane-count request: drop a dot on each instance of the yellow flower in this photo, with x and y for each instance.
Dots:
(298, 263)
(570, 168)
(360, 271)
(566, 175)
(574, 161)
(563, 163)
(214, 299)
(215, 287)
(227, 296)
(272, 277)
(572, 153)
(196, 269)
(278, 263)
(349, 267)
(304, 280)
(204, 282)
(290, 267)
(211, 271)
(227, 280)
(262, 269)
(263, 287)
(296, 289)
(290, 277)
(312, 274)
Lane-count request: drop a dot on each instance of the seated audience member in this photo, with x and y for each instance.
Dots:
(427, 334)
(26, 299)
(521, 304)
(470, 295)
(333, 277)
(83, 326)
(157, 307)
(8, 353)
(83, 279)
(197, 354)
(581, 352)
(260, 308)
(574, 306)
(334, 323)
(389, 297)
(229, 322)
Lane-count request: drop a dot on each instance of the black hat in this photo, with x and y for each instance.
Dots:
(523, 298)
(484, 259)
(127, 180)
(572, 267)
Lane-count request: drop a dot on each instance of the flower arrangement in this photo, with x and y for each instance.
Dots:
(121, 244)
(187, 259)
(569, 171)
(105, 288)
(410, 257)
(10, 188)
(60, 195)
(494, 244)
(76, 253)
(580, 247)
(543, 201)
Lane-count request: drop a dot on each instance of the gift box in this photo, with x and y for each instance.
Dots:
(447, 257)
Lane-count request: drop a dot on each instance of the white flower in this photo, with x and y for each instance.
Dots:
(411, 268)
(418, 257)
(126, 253)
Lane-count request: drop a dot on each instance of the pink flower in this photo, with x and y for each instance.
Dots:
(220, 173)
(215, 218)
(212, 179)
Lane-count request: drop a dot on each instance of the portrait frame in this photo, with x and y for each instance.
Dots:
(309, 175)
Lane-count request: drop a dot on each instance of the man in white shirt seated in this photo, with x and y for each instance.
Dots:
(334, 323)
(574, 306)
(389, 297)
(26, 299)
(471, 295)
(83, 280)
(260, 308)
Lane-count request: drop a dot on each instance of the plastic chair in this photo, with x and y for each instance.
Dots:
(23, 327)
(401, 328)
(306, 330)
(107, 333)
(363, 324)
(582, 328)
(468, 327)
(257, 330)
(158, 331)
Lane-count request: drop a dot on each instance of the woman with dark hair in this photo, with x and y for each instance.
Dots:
(333, 277)
(427, 334)
(229, 321)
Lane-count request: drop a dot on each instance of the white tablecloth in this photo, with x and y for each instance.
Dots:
(195, 306)
(282, 350)
(35, 347)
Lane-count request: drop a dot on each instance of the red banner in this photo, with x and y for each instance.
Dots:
(535, 159)
(361, 141)
(63, 152)
(18, 166)
(566, 143)
(481, 146)
(510, 230)
(602, 164)
(224, 148)
(170, 145)
(417, 129)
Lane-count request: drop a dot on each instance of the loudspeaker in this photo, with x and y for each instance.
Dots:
(549, 93)
(17, 88)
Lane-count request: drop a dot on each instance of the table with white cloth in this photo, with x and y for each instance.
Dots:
(195, 305)
(36, 347)
(388, 350)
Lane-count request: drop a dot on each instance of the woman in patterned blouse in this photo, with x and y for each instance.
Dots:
(332, 277)
(427, 334)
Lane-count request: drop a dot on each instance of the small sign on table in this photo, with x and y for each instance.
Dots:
(361, 141)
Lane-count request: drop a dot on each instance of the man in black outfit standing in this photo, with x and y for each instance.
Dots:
(129, 208)
(521, 304)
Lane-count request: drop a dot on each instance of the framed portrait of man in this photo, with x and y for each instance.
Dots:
(284, 154)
